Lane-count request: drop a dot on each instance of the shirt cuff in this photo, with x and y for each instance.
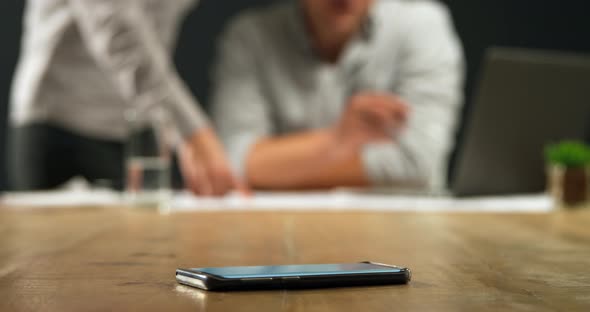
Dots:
(388, 164)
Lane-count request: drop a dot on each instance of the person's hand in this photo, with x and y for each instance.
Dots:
(372, 117)
(204, 166)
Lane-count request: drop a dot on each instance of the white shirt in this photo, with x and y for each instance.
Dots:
(269, 82)
(85, 63)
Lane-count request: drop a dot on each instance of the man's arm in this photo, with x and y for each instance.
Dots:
(124, 44)
(310, 160)
(330, 157)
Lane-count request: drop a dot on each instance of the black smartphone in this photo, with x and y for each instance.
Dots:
(293, 276)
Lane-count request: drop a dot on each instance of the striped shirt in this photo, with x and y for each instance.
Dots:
(269, 82)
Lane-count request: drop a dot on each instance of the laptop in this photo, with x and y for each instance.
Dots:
(525, 100)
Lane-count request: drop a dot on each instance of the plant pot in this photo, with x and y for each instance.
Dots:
(569, 186)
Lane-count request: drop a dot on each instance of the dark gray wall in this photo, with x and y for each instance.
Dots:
(196, 46)
(10, 29)
(544, 24)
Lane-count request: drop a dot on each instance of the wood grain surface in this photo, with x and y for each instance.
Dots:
(122, 259)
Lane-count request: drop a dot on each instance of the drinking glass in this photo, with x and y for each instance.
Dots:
(148, 159)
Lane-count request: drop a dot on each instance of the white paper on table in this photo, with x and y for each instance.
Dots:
(313, 201)
(364, 202)
(62, 199)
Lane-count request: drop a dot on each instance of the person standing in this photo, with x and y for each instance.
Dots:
(84, 65)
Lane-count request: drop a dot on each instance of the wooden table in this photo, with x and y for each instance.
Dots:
(106, 259)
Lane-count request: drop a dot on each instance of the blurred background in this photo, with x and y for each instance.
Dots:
(539, 24)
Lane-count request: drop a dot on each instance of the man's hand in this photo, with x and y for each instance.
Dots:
(204, 166)
(371, 117)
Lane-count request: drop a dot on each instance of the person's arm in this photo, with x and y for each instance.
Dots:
(309, 160)
(431, 77)
(123, 42)
(329, 157)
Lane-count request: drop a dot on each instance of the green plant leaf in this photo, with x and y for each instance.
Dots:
(568, 154)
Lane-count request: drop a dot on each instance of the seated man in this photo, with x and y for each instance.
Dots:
(326, 93)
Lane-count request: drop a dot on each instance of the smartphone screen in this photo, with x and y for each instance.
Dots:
(297, 270)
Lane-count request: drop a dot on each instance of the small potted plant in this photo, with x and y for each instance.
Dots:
(568, 172)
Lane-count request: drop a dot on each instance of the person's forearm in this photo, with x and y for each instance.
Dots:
(124, 44)
(310, 160)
